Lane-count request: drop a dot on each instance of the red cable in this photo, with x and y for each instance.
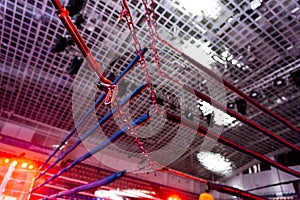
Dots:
(213, 136)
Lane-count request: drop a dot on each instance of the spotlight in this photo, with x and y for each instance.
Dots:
(75, 65)
(279, 82)
(15, 162)
(241, 106)
(253, 94)
(24, 165)
(230, 105)
(75, 6)
(61, 43)
(6, 160)
(30, 167)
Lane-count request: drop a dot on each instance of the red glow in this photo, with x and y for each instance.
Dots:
(24, 165)
(174, 197)
(15, 162)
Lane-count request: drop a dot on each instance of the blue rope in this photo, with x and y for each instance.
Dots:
(135, 123)
(136, 92)
(95, 184)
(96, 105)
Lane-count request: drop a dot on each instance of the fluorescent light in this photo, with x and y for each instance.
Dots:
(220, 117)
(255, 4)
(208, 8)
(215, 162)
(234, 62)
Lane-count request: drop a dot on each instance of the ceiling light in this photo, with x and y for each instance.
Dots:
(230, 105)
(218, 59)
(234, 62)
(225, 54)
(205, 107)
(279, 82)
(208, 8)
(24, 165)
(253, 94)
(215, 162)
(229, 58)
(284, 98)
(295, 10)
(219, 117)
(14, 162)
(255, 4)
(245, 68)
(229, 19)
(281, 100)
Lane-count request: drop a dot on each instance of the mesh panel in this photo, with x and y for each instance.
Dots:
(250, 48)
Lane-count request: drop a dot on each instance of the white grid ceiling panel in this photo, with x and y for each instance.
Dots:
(35, 85)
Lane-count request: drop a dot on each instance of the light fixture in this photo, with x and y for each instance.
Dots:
(255, 4)
(204, 107)
(241, 106)
(230, 105)
(245, 68)
(253, 94)
(174, 197)
(219, 117)
(215, 162)
(229, 19)
(279, 82)
(234, 62)
(6, 160)
(15, 162)
(218, 59)
(75, 6)
(24, 165)
(30, 167)
(207, 8)
(225, 54)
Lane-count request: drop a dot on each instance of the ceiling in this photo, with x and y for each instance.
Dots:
(249, 48)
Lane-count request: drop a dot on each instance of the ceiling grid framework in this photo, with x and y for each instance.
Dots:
(250, 48)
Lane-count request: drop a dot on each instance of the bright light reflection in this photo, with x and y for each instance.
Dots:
(220, 117)
(215, 162)
(208, 8)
